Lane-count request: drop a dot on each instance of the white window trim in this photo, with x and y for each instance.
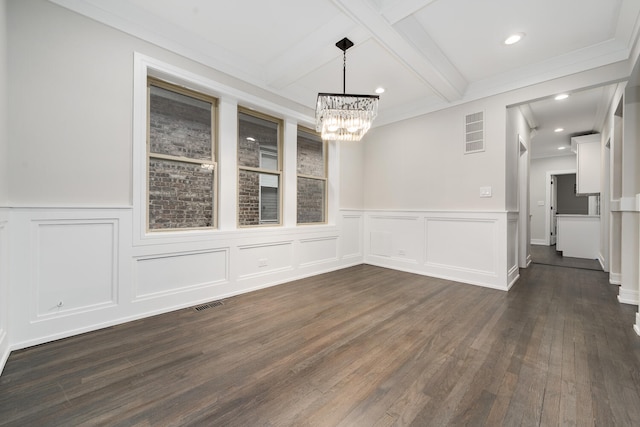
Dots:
(145, 66)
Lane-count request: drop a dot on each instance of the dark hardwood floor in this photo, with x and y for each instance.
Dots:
(364, 346)
(541, 254)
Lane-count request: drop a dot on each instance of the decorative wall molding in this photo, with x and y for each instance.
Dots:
(91, 260)
(352, 232)
(74, 266)
(4, 287)
(162, 275)
(468, 247)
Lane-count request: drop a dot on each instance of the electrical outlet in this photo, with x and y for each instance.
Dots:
(485, 191)
(263, 262)
(402, 252)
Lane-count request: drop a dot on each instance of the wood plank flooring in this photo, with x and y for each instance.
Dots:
(541, 254)
(364, 346)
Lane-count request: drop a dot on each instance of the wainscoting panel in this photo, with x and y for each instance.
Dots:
(351, 237)
(318, 251)
(180, 272)
(394, 236)
(74, 266)
(263, 259)
(469, 247)
(513, 245)
(4, 287)
(78, 269)
(463, 244)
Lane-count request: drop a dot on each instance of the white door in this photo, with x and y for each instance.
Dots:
(552, 211)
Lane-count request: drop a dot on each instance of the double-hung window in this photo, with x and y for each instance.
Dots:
(181, 160)
(311, 177)
(259, 169)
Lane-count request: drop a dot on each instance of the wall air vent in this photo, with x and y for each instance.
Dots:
(208, 305)
(474, 133)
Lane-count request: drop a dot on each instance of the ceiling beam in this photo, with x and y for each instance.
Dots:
(400, 9)
(437, 73)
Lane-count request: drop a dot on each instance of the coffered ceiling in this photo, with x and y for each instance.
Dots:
(427, 54)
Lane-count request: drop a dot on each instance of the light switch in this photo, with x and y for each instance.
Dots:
(485, 191)
(540, 202)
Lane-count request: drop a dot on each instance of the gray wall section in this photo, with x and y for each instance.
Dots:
(568, 202)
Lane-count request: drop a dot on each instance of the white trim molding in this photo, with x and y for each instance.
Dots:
(4, 287)
(628, 296)
(75, 270)
(478, 248)
(615, 278)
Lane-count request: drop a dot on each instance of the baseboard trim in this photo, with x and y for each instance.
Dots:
(615, 278)
(539, 242)
(5, 351)
(626, 296)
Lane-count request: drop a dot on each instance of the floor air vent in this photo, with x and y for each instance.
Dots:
(208, 305)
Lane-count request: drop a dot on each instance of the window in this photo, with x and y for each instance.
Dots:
(181, 167)
(312, 178)
(259, 169)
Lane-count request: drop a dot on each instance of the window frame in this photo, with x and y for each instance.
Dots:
(154, 81)
(259, 170)
(324, 178)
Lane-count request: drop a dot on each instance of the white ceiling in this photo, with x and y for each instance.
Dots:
(427, 54)
(582, 113)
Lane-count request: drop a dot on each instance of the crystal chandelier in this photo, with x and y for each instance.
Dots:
(342, 116)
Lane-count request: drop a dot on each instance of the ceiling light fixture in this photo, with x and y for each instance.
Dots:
(514, 38)
(562, 148)
(557, 130)
(341, 116)
(379, 90)
(561, 97)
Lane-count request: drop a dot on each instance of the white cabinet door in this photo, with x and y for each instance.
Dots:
(588, 163)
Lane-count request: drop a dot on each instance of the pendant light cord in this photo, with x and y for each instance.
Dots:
(344, 72)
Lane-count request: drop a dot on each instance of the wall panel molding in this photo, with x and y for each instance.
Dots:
(74, 266)
(90, 259)
(4, 287)
(156, 276)
(469, 247)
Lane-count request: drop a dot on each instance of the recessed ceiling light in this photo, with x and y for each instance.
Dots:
(380, 90)
(561, 97)
(514, 38)
(558, 130)
(250, 138)
(562, 148)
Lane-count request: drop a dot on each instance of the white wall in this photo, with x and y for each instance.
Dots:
(420, 163)
(517, 179)
(4, 143)
(351, 175)
(538, 187)
(629, 291)
(4, 193)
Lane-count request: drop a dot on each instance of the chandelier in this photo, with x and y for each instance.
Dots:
(342, 116)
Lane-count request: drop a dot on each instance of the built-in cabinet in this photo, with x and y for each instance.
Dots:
(578, 236)
(587, 149)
